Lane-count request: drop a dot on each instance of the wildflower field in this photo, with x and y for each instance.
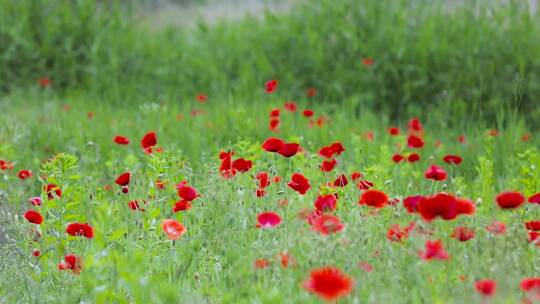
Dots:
(342, 151)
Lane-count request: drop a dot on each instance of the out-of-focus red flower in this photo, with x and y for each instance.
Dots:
(341, 181)
(452, 159)
(462, 234)
(394, 131)
(486, 287)
(434, 250)
(435, 173)
(148, 141)
(261, 263)
(268, 220)
(413, 157)
(289, 149)
(364, 185)
(311, 92)
(271, 86)
(291, 106)
(273, 144)
(299, 183)
(123, 179)
(534, 199)
(173, 229)
(414, 141)
(308, 113)
(326, 202)
(368, 61)
(33, 217)
(326, 224)
(533, 225)
(397, 158)
(202, 98)
(134, 205)
(373, 198)
(79, 229)
(328, 283)
(53, 191)
(44, 81)
(411, 203)
(242, 165)
(396, 233)
(24, 174)
(186, 192)
(121, 140)
(328, 165)
(72, 262)
(355, 176)
(497, 228)
(445, 206)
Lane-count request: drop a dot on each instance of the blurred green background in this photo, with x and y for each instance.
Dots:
(468, 59)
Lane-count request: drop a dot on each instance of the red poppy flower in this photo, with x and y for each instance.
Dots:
(268, 220)
(411, 203)
(434, 250)
(36, 201)
(273, 144)
(415, 126)
(78, 229)
(373, 198)
(72, 262)
(260, 192)
(526, 137)
(486, 288)
(299, 183)
(311, 92)
(5, 165)
(286, 259)
(510, 200)
(534, 199)
(121, 140)
(226, 169)
(173, 229)
(533, 225)
(497, 228)
(398, 234)
(242, 165)
(186, 192)
(274, 125)
(290, 106)
(368, 61)
(326, 202)
(328, 283)
(148, 141)
(534, 237)
(134, 205)
(393, 131)
(364, 185)
(289, 149)
(123, 179)
(414, 141)
(274, 112)
(202, 98)
(413, 157)
(24, 174)
(356, 176)
(452, 159)
(53, 191)
(308, 113)
(33, 217)
(261, 263)
(435, 173)
(326, 224)
(337, 148)
(462, 234)
(530, 284)
(263, 180)
(493, 132)
(365, 266)
(271, 86)
(445, 206)
(397, 158)
(328, 165)
(341, 181)
(461, 139)
(36, 253)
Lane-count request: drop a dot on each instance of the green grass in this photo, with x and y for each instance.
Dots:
(464, 70)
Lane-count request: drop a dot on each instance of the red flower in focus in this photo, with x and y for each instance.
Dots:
(486, 288)
(123, 179)
(373, 198)
(186, 192)
(368, 61)
(44, 81)
(445, 206)
(328, 283)
(452, 159)
(462, 234)
(413, 157)
(435, 173)
(121, 140)
(497, 228)
(411, 203)
(326, 202)
(202, 98)
(271, 86)
(393, 131)
(311, 92)
(533, 225)
(341, 181)
(78, 229)
(414, 141)
(510, 200)
(308, 113)
(72, 262)
(33, 217)
(242, 165)
(290, 106)
(397, 158)
(173, 229)
(299, 183)
(273, 144)
(53, 191)
(328, 165)
(24, 174)
(268, 220)
(326, 224)
(534, 199)
(289, 149)
(148, 141)
(181, 206)
(434, 250)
